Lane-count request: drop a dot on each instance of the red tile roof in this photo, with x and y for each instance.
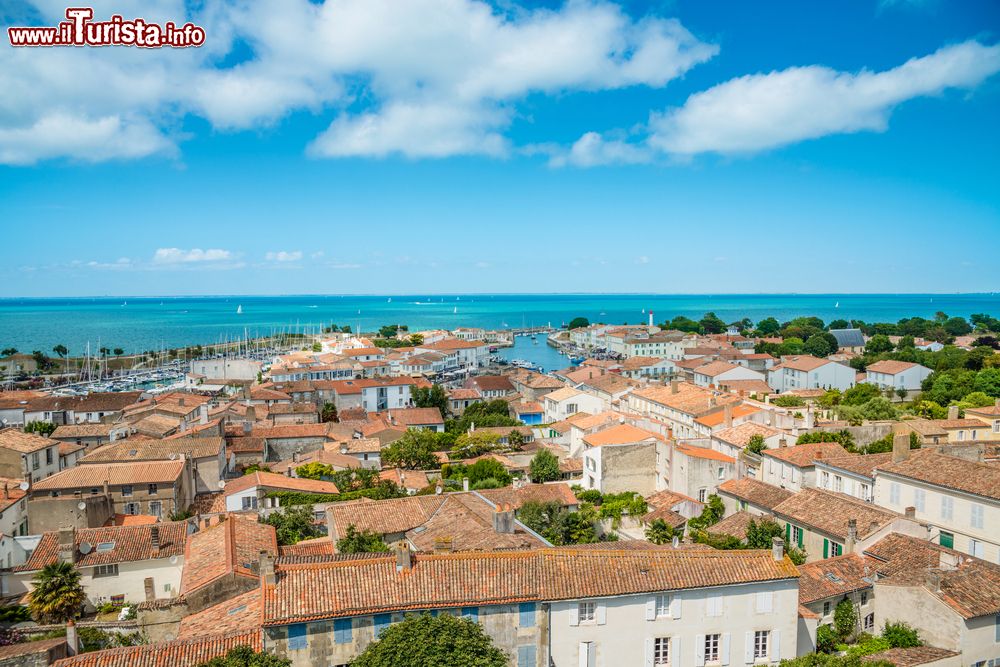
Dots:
(178, 653)
(232, 546)
(890, 367)
(804, 455)
(125, 544)
(834, 577)
(755, 492)
(115, 474)
(270, 480)
(238, 614)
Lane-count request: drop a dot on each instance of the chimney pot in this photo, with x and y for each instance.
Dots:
(72, 643)
(911, 512)
(465, 483)
(676, 542)
(777, 548)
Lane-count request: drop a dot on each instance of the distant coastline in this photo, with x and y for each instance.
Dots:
(149, 323)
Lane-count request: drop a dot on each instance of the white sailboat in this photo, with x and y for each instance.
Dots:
(239, 309)
(836, 305)
(455, 310)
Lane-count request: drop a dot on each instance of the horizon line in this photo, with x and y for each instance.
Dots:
(403, 294)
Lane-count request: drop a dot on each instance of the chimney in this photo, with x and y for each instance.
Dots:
(782, 443)
(910, 512)
(180, 401)
(777, 548)
(996, 403)
(949, 561)
(67, 545)
(6, 491)
(465, 483)
(251, 414)
(900, 447)
(442, 545)
(932, 579)
(296, 456)
(203, 413)
(438, 488)
(712, 402)
(72, 643)
(852, 535)
(952, 412)
(503, 519)
(674, 386)
(149, 589)
(154, 539)
(343, 448)
(728, 415)
(267, 568)
(675, 542)
(289, 471)
(404, 560)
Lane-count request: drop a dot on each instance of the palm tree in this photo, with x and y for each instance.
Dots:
(57, 595)
(60, 350)
(659, 532)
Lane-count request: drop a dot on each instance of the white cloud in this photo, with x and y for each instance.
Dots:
(642, 260)
(763, 111)
(441, 77)
(592, 149)
(284, 256)
(193, 256)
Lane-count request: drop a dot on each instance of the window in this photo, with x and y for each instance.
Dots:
(712, 648)
(131, 508)
(156, 508)
(152, 489)
(249, 502)
(976, 516)
(34, 461)
(996, 629)
(713, 605)
(760, 642)
(587, 612)
(526, 615)
(947, 539)
(342, 630)
(106, 570)
(48, 456)
(797, 535)
(947, 508)
(837, 549)
(661, 651)
(702, 495)
(662, 606)
(869, 623)
(919, 499)
(894, 493)
(764, 602)
(127, 490)
(838, 483)
(297, 636)
(865, 493)
(826, 608)
(527, 655)
(825, 480)
(864, 598)
(976, 548)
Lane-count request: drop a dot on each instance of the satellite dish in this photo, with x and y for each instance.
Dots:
(85, 547)
(173, 560)
(81, 505)
(24, 486)
(222, 483)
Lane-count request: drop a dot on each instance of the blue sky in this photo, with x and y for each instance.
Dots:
(366, 146)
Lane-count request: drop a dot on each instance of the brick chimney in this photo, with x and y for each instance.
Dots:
(900, 447)
(267, 574)
(154, 539)
(777, 548)
(404, 559)
(149, 589)
(949, 561)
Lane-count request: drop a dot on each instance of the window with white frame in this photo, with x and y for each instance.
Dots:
(588, 612)
(796, 535)
(825, 480)
(976, 516)
(919, 499)
(662, 606)
(760, 644)
(838, 483)
(869, 623)
(702, 495)
(106, 570)
(712, 648)
(713, 605)
(947, 508)
(894, 493)
(661, 652)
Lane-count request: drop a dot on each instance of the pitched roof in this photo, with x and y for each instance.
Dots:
(859, 464)
(315, 591)
(836, 576)
(950, 472)
(755, 492)
(115, 474)
(804, 455)
(416, 416)
(803, 362)
(540, 493)
(735, 524)
(270, 480)
(740, 435)
(111, 544)
(702, 453)
(12, 651)
(713, 368)
(620, 434)
(24, 443)
(238, 614)
(563, 394)
(830, 512)
(465, 522)
(177, 653)
(492, 383)
(911, 657)
(84, 430)
(689, 398)
(890, 367)
(231, 546)
(848, 337)
(155, 450)
(719, 416)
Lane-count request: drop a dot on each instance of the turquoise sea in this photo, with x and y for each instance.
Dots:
(143, 323)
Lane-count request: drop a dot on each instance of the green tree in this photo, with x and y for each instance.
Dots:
(839, 324)
(488, 468)
(860, 393)
(118, 351)
(957, 326)
(315, 470)
(413, 451)
(60, 350)
(422, 640)
(515, 440)
(821, 344)
(878, 344)
(41, 428)
(681, 323)
(8, 351)
(768, 327)
(244, 656)
(57, 594)
(659, 532)
(431, 397)
(317, 347)
(579, 322)
(845, 619)
(557, 524)
(906, 343)
(901, 635)
(328, 413)
(756, 444)
(988, 382)
(476, 443)
(293, 524)
(544, 467)
(360, 542)
(714, 511)
(711, 323)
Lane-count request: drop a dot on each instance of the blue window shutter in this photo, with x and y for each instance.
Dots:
(297, 636)
(382, 621)
(526, 656)
(471, 613)
(526, 618)
(342, 630)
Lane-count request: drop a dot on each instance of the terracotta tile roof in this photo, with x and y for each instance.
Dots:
(84, 430)
(713, 368)
(416, 416)
(131, 520)
(747, 386)
(464, 394)
(804, 455)
(890, 367)
(491, 383)
(465, 521)
(238, 614)
(863, 464)
(735, 524)
(246, 444)
(126, 544)
(540, 493)
(177, 653)
(155, 450)
(988, 411)
(266, 394)
(703, 453)
(980, 479)
(719, 416)
(564, 425)
(637, 363)
(740, 435)
(689, 399)
(12, 651)
(591, 421)
(320, 430)
(231, 546)
(330, 457)
(157, 425)
(10, 492)
(526, 407)
(115, 474)
(407, 479)
(395, 515)
(329, 590)
(620, 434)
(803, 362)
(911, 657)
(829, 513)
(355, 446)
(318, 546)
(24, 443)
(270, 480)
(836, 576)
(611, 383)
(755, 492)
(563, 394)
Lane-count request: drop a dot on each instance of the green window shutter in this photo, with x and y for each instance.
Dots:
(801, 535)
(788, 533)
(826, 548)
(947, 540)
